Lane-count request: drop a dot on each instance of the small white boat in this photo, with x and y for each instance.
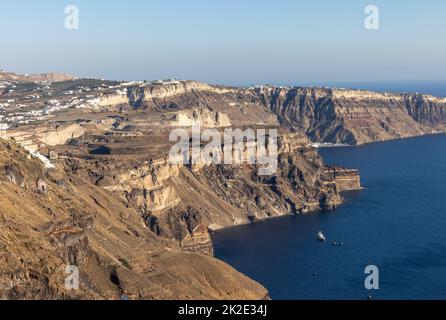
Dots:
(320, 236)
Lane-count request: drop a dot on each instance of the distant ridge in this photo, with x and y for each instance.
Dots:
(51, 77)
(325, 115)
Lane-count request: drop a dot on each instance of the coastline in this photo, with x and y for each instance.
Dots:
(399, 139)
(266, 220)
(325, 145)
(319, 211)
(254, 251)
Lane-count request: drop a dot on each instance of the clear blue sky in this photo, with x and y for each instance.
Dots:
(238, 42)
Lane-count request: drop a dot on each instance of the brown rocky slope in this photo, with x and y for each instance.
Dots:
(52, 219)
(184, 202)
(138, 225)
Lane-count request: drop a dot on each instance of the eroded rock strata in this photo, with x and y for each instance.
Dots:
(325, 115)
(353, 116)
(86, 179)
(185, 202)
(140, 227)
(51, 219)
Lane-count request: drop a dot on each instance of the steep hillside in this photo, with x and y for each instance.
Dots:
(183, 202)
(355, 117)
(132, 222)
(52, 219)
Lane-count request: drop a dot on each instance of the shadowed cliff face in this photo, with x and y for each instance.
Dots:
(426, 109)
(355, 117)
(52, 219)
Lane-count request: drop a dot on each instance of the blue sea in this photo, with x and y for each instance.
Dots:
(397, 223)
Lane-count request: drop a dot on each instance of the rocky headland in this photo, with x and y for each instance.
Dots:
(87, 181)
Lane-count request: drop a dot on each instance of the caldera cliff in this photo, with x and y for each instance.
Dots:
(327, 115)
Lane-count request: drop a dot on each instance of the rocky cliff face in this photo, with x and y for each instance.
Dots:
(185, 202)
(325, 115)
(174, 95)
(136, 224)
(51, 219)
(203, 117)
(242, 106)
(354, 116)
(344, 179)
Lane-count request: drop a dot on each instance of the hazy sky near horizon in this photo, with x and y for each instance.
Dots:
(238, 42)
